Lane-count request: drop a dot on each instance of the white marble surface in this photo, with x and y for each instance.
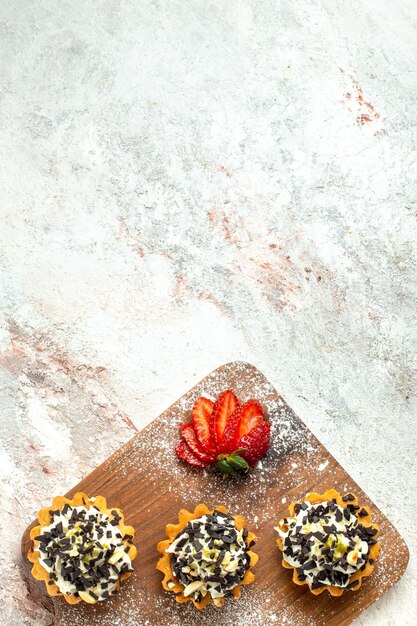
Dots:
(186, 183)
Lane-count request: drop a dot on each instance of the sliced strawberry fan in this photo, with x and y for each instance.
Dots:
(225, 433)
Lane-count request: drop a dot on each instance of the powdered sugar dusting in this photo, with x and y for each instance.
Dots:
(253, 608)
(288, 437)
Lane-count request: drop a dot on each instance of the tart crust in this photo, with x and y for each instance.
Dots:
(374, 550)
(44, 518)
(164, 564)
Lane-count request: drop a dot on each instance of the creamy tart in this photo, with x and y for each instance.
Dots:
(207, 556)
(329, 542)
(81, 549)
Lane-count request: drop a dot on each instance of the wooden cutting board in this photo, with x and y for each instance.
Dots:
(146, 480)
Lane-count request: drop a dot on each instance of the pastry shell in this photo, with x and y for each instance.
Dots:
(44, 518)
(164, 564)
(374, 550)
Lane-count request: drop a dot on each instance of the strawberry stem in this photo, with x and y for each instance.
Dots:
(229, 464)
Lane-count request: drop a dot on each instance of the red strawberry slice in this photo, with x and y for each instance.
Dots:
(185, 453)
(228, 442)
(256, 442)
(252, 415)
(190, 438)
(223, 408)
(202, 411)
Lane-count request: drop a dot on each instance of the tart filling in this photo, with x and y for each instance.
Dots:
(83, 551)
(210, 556)
(207, 556)
(326, 543)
